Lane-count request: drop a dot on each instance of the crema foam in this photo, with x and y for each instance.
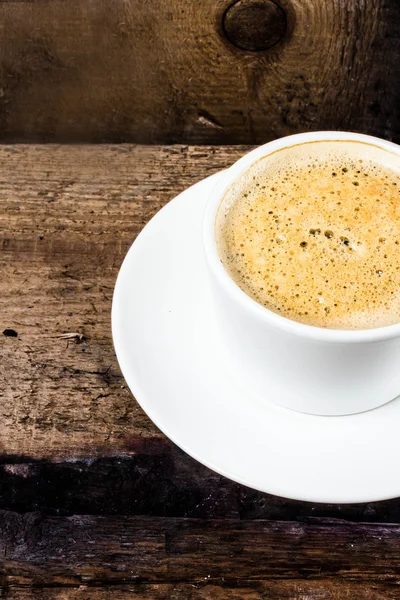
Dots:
(312, 232)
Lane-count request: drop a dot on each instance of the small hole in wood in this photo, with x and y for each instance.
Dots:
(10, 333)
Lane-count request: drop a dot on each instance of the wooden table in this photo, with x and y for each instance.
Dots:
(95, 502)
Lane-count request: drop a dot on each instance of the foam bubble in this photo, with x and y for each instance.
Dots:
(312, 233)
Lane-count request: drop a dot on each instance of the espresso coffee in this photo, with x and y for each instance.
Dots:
(312, 232)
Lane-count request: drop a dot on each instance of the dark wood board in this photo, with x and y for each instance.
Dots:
(164, 71)
(218, 555)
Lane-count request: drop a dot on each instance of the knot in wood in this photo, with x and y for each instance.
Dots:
(254, 25)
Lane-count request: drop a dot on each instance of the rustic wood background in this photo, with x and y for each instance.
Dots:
(165, 71)
(94, 501)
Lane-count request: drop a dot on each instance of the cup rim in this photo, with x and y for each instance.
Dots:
(269, 317)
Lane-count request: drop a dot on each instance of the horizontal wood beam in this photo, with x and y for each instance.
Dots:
(277, 589)
(87, 550)
(208, 72)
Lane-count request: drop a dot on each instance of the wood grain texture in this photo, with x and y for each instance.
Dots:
(67, 218)
(71, 436)
(303, 589)
(82, 550)
(99, 504)
(155, 479)
(164, 71)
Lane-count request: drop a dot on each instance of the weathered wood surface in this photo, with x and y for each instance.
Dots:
(204, 555)
(95, 500)
(165, 71)
(302, 589)
(68, 216)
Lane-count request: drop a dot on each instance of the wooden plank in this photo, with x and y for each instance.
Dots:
(74, 442)
(155, 479)
(67, 218)
(164, 71)
(303, 589)
(99, 551)
(71, 435)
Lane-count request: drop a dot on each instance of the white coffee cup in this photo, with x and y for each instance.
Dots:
(302, 367)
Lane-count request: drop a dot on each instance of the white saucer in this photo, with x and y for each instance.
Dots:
(168, 347)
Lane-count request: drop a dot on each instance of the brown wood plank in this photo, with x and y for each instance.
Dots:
(72, 438)
(67, 218)
(102, 551)
(303, 589)
(164, 71)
